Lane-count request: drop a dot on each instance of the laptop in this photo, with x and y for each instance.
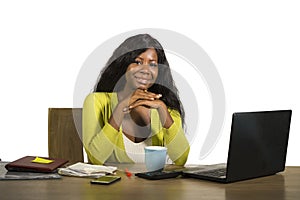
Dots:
(257, 147)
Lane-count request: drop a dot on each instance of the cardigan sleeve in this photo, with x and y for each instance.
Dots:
(99, 137)
(175, 140)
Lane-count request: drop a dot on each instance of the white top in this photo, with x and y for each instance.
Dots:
(135, 151)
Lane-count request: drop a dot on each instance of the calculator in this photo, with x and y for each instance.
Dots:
(157, 175)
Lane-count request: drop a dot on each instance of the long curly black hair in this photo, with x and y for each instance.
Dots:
(112, 76)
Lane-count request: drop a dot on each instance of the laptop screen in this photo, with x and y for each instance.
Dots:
(258, 144)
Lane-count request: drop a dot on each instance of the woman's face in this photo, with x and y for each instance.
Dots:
(143, 72)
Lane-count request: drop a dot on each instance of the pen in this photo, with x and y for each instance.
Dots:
(128, 173)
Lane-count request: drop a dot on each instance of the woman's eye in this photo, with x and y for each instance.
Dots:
(138, 62)
(153, 65)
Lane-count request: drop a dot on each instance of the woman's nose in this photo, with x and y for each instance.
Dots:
(145, 69)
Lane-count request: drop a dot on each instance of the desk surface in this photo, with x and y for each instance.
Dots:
(285, 185)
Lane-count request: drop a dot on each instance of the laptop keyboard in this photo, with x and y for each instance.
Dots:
(214, 173)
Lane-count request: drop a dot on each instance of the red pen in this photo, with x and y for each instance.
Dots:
(128, 173)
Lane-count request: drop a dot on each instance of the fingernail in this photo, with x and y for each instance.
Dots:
(126, 109)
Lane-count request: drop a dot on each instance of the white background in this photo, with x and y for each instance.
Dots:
(255, 46)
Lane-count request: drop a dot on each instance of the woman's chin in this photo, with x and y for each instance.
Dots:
(142, 86)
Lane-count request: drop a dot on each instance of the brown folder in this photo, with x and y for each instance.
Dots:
(25, 164)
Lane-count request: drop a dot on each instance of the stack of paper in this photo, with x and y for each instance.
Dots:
(86, 170)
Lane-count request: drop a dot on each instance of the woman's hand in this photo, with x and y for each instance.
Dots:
(138, 98)
(143, 98)
(150, 100)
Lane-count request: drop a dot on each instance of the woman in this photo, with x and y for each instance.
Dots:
(135, 104)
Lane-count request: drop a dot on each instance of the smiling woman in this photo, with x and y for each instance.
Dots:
(142, 73)
(135, 104)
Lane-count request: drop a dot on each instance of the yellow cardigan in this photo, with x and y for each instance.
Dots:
(101, 140)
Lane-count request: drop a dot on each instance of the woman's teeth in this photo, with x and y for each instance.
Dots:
(141, 80)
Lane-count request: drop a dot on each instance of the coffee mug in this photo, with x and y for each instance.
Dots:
(155, 158)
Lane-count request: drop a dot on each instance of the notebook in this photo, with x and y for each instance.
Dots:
(35, 164)
(12, 175)
(257, 147)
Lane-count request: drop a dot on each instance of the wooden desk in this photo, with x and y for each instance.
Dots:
(284, 185)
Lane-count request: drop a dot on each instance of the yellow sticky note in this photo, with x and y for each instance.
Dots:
(42, 160)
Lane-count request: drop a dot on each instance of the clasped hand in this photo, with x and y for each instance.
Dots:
(142, 98)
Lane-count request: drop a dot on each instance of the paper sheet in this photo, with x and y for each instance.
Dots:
(86, 170)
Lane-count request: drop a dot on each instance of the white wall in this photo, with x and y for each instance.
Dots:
(255, 46)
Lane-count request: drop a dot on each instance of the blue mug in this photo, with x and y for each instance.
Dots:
(155, 158)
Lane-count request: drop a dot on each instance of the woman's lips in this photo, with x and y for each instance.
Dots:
(142, 80)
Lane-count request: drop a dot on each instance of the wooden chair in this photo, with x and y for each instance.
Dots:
(64, 133)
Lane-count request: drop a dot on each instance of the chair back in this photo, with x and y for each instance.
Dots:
(64, 134)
